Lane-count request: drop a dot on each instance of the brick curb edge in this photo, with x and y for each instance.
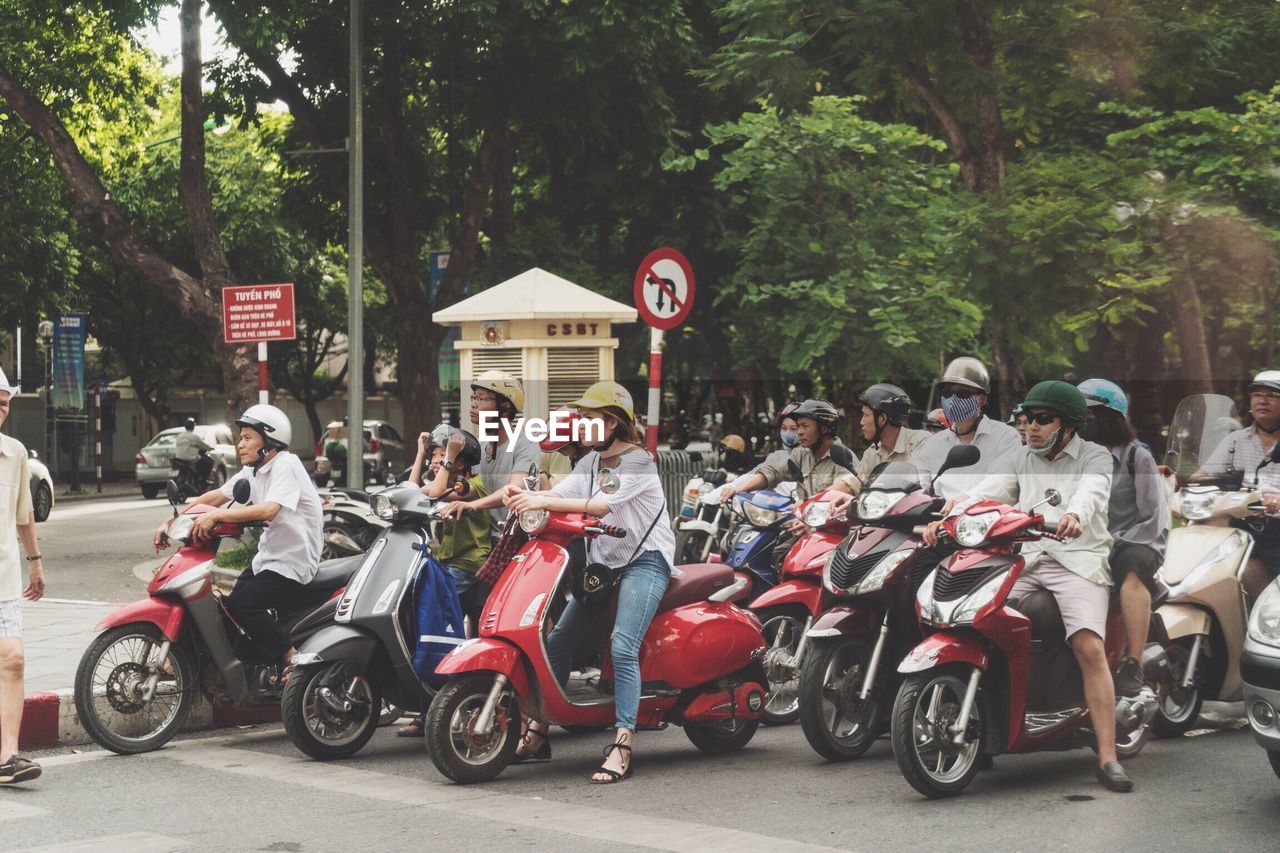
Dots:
(49, 719)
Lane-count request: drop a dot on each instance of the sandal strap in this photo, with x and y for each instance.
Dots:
(611, 747)
(617, 777)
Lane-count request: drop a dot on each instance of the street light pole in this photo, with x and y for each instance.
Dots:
(355, 259)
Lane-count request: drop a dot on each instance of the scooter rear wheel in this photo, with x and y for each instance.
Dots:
(318, 722)
(927, 704)
(1179, 708)
(717, 738)
(457, 750)
(837, 722)
(109, 683)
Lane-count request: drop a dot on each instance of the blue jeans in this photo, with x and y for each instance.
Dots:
(462, 581)
(643, 583)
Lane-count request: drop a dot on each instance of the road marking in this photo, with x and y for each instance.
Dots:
(77, 601)
(134, 842)
(101, 508)
(9, 810)
(605, 825)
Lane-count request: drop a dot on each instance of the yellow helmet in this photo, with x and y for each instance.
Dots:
(503, 384)
(733, 442)
(607, 395)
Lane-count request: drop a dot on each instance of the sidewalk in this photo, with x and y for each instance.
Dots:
(89, 492)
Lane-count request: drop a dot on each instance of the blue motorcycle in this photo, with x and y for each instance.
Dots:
(750, 545)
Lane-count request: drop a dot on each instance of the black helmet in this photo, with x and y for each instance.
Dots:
(190, 423)
(470, 455)
(886, 399)
(821, 411)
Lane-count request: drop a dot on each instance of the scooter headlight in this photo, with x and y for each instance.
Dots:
(759, 516)
(1264, 622)
(873, 505)
(876, 577)
(817, 514)
(1197, 506)
(533, 520)
(978, 599)
(924, 596)
(971, 530)
(382, 506)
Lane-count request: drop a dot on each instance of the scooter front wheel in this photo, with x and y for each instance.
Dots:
(329, 710)
(783, 629)
(112, 682)
(928, 704)
(457, 749)
(838, 723)
(1179, 705)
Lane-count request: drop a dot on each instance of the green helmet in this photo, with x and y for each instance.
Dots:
(1058, 396)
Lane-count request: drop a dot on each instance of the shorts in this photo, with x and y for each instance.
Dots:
(1142, 560)
(11, 618)
(462, 581)
(1082, 603)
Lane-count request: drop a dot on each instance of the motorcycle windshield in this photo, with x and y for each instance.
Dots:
(1200, 425)
(897, 477)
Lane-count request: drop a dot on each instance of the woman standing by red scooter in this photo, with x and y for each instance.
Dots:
(617, 480)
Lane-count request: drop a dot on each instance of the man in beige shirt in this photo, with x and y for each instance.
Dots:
(17, 521)
(884, 417)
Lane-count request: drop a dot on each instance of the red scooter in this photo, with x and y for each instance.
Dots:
(848, 681)
(137, 679)
(699, 661)
(990, 679)
(787, 610)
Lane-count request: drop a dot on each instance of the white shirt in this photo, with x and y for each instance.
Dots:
(998, 443)
(291, 543)
(1081, 472)
(1242, 451)
(633, 506)
(15, 509)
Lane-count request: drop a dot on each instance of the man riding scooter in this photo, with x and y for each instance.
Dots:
(1074, 571)
(289, 551)
(1245, 450)
(191, 457)
(884, 424)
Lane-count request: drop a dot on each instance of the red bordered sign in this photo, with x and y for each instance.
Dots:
(663, 288)
(258, 312)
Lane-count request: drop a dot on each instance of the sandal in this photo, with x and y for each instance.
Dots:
(617, 777)
(542, 753)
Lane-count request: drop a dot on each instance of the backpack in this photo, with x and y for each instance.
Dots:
(438, 617)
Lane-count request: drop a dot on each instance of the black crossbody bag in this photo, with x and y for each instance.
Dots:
(593, 584)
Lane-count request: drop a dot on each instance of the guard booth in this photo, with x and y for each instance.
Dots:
(555, 336)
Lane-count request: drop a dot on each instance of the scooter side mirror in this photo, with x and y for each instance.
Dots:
(959, 456)
(240, 492)
(173, 494)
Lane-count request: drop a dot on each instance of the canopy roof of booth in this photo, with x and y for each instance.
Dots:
(535, 294)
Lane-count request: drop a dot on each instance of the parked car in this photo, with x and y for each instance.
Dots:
(385, 455)
(155, 460)
(41, 486)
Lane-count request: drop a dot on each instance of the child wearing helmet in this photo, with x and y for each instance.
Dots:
(619, 481)
(497, 399)
(1137, 517)
(288, 557)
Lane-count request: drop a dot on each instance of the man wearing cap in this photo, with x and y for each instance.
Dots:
(17, 523)
(1245, 450)
(964, 386)
(1074, 571)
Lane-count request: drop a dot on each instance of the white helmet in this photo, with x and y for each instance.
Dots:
(503, 384)
(272, 423)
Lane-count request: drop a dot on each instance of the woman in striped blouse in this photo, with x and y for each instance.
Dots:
(617, 480)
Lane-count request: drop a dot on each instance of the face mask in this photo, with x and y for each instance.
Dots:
(1047, 449)
(789, 439)
(959, 409)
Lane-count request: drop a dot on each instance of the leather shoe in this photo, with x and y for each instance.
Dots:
(1113, 777)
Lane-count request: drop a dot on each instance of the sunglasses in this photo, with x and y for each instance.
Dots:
(1041, 418)
(961, 392)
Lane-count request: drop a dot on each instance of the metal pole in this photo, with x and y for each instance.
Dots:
(655, 391)
(355, 259)
(18, 365)
(97, 433)
(264, 395)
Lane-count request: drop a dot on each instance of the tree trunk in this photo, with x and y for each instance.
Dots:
(1188, 323)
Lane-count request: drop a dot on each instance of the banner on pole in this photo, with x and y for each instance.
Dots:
(68, 361)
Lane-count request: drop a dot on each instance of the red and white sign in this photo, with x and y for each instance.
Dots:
(663, 288)
(258, 312)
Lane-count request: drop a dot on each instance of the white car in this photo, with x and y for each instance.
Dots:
(41, 486)
(155, 461)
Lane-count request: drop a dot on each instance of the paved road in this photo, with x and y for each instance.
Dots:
(251, 791)
(91, 548)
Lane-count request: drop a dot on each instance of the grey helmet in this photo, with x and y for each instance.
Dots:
(967, 371)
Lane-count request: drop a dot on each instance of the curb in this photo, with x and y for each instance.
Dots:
(49, 719)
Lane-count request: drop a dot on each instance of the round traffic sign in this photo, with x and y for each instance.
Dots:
(663, 288)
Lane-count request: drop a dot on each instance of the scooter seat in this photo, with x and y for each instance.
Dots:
(694, 582)
(335, 573)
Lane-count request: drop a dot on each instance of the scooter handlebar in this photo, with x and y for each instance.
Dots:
(606, 530)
